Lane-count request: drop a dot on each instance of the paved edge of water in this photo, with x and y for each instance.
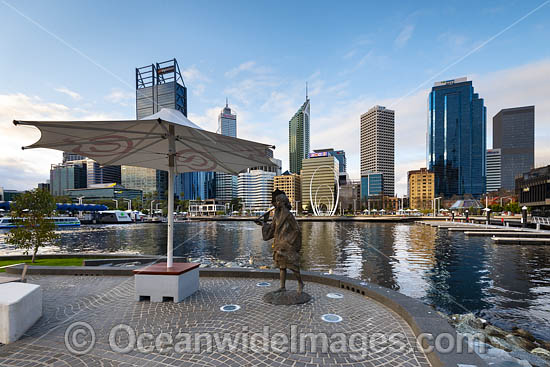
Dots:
(420, 317)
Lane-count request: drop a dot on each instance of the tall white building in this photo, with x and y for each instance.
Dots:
(256, 185)
(494, 182)
(226, 184)
(378, 145)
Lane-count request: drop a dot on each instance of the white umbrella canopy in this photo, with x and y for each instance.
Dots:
(166, 141)
(146, 143)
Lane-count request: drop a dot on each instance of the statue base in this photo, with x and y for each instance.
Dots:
(286, 297)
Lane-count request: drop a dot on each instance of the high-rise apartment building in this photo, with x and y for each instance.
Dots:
(320, 171)
(255, 188)
(514, 135)
(68, 175)
(298, 137)
(290, 184)
(378, 145)
(456, 138)
(226, 184)
(158, 86)
(420, 188)
(493, 170)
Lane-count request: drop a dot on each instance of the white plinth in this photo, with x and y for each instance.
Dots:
(20, 308)
(163, 287)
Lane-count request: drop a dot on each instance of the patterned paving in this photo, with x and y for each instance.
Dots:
(104, 302)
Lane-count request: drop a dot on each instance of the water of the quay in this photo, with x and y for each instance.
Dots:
(507, 285)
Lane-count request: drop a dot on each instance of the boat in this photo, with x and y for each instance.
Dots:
(7, 222)
(113, 217)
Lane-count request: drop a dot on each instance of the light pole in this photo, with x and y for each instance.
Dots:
(151, 214)
(434, 204)
(80, 203)
(129, 203)
(116, 203)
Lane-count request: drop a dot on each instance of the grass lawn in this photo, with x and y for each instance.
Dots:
(69, 261)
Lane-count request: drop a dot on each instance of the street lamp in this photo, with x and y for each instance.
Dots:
(151, 214)
(129, 201)
(434, 204)
(116, 203)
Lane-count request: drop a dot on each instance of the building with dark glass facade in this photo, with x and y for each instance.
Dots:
(372, 186)
(68, 175)
(298, 137)
(456, 138)
(514, 135)
(226, 184)
(533, 190)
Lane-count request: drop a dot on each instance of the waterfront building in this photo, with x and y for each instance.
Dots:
(149, 181)
(255, 186)
(290, 183)
(533, 190)
(68, 157)
(9, 195)
(493, 170)
(350, 196)
(456, 138)
(340, 155)
(68, 175)
(254, 189)
(195, 186)
(372, 187)
(44, 186)
(97, 174)
(107, 191)
(205, 207)
(226, 184)
(378, 145)
(321, 172)
(298, 137)
(421, 184)
(158, 86)
(514, 135)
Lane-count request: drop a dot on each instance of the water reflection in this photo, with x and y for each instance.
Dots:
(508, 285)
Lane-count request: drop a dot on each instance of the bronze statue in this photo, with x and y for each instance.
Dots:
(287, 242)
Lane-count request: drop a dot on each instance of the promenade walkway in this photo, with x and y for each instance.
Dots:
(103, 302)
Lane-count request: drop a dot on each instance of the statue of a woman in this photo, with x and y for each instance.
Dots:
(287, 238)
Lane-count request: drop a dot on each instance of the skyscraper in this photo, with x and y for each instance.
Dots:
(158, 86)
(256, 185)
(494, 179)
(456, 138)
(68, 175)
(378, 145)
(514, 135)
(97, 174)
(226, 184)
(298, 137)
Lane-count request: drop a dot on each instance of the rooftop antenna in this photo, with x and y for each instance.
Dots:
(306, 92)
(226, 102)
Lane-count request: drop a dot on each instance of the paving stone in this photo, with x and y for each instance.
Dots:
(104, 302)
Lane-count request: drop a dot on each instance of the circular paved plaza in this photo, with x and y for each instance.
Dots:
(95, 321)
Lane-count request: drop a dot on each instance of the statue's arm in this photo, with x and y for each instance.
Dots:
(268, 231)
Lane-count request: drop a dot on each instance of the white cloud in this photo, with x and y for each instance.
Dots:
(193, 74)
(74, 95)
(23, 169)
(249, 66)
(122, 97)
(404, 36)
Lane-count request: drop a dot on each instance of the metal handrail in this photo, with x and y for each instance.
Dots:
(541, 220)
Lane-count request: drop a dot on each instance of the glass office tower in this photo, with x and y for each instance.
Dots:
(456, 138)
(298, 137)
(514, 135)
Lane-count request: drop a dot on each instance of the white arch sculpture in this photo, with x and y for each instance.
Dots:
(333, 204)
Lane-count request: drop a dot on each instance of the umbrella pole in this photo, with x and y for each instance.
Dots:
(171, 169)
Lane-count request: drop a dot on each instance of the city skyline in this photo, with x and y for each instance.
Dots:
(267, 89)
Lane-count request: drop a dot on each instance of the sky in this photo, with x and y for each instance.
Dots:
(63, 60)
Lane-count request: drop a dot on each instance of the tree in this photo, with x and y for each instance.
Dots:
(236, 204)
(32, 212)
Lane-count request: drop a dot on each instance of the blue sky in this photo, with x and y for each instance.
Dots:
(68, 59)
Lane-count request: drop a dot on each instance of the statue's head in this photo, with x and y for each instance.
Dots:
(279, 199)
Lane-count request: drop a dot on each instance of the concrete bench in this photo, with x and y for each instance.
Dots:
(20, 308)
(159, 283)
